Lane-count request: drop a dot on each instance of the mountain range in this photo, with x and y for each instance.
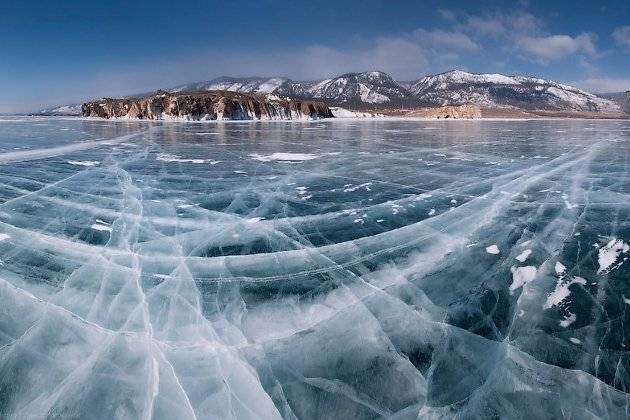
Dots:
(376, 89)
(373, 87)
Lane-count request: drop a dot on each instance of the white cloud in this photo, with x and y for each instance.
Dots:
(521, 32)
(602, 85)
(447, 14)
(505, 25)
(557, 46)
(525, 23)
(621, 36)
(400, 57)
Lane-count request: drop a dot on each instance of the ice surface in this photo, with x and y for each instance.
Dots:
(333, 269)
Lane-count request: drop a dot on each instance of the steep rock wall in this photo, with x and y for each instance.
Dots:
(213, 105)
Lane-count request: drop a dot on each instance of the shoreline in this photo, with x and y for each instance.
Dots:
(11, 118)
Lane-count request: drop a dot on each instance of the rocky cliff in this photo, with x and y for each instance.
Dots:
(209, 105)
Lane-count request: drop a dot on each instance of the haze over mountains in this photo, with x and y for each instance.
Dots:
(376, 89)
(622, 99)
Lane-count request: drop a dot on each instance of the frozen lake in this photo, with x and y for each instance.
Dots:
(330, 269)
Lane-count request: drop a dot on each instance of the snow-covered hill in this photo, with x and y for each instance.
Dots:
(352, 88)
(496, 90)
(259, 85)
(373, 87)
(65, 110)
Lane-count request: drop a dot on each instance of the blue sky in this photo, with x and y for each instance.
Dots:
(56, 52)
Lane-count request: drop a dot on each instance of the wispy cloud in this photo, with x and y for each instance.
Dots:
(440, 39)
(523, 34)
(555, 47)
(621, 36)
(447, 14)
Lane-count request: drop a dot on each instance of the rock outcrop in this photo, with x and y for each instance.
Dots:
(210, 105)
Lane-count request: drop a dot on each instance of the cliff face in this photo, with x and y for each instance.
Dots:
(212, 105)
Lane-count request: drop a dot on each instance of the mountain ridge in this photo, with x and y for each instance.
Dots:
(451, 88)
(490, 90)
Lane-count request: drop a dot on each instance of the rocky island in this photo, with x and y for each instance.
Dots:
(207, 105)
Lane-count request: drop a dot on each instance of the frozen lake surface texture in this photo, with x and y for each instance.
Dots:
(332, 270)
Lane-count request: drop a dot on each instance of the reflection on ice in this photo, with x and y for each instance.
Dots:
(361, 269)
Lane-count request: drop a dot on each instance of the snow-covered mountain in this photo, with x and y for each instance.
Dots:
(496, 90)
(455, 87)
(259, 85)
(65, 110)
(373, 87)
(621, 98)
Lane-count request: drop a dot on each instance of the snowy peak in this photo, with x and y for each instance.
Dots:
(457, 77)
(260, 85)
(496, 90)
(373, 87)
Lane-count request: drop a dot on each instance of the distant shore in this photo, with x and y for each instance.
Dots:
(495, 114)
(16, 118)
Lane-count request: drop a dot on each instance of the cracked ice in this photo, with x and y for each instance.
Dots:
(150, 270)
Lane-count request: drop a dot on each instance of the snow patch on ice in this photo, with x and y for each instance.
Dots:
(165, 157)
(524, 255)
(287, 157)
(492, 249)
(84, 162)
(561, 292)
(100, 227)
(560, 268)
(521, 276)
(608, 254)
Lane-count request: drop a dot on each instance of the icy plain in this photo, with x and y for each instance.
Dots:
(333, 269)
